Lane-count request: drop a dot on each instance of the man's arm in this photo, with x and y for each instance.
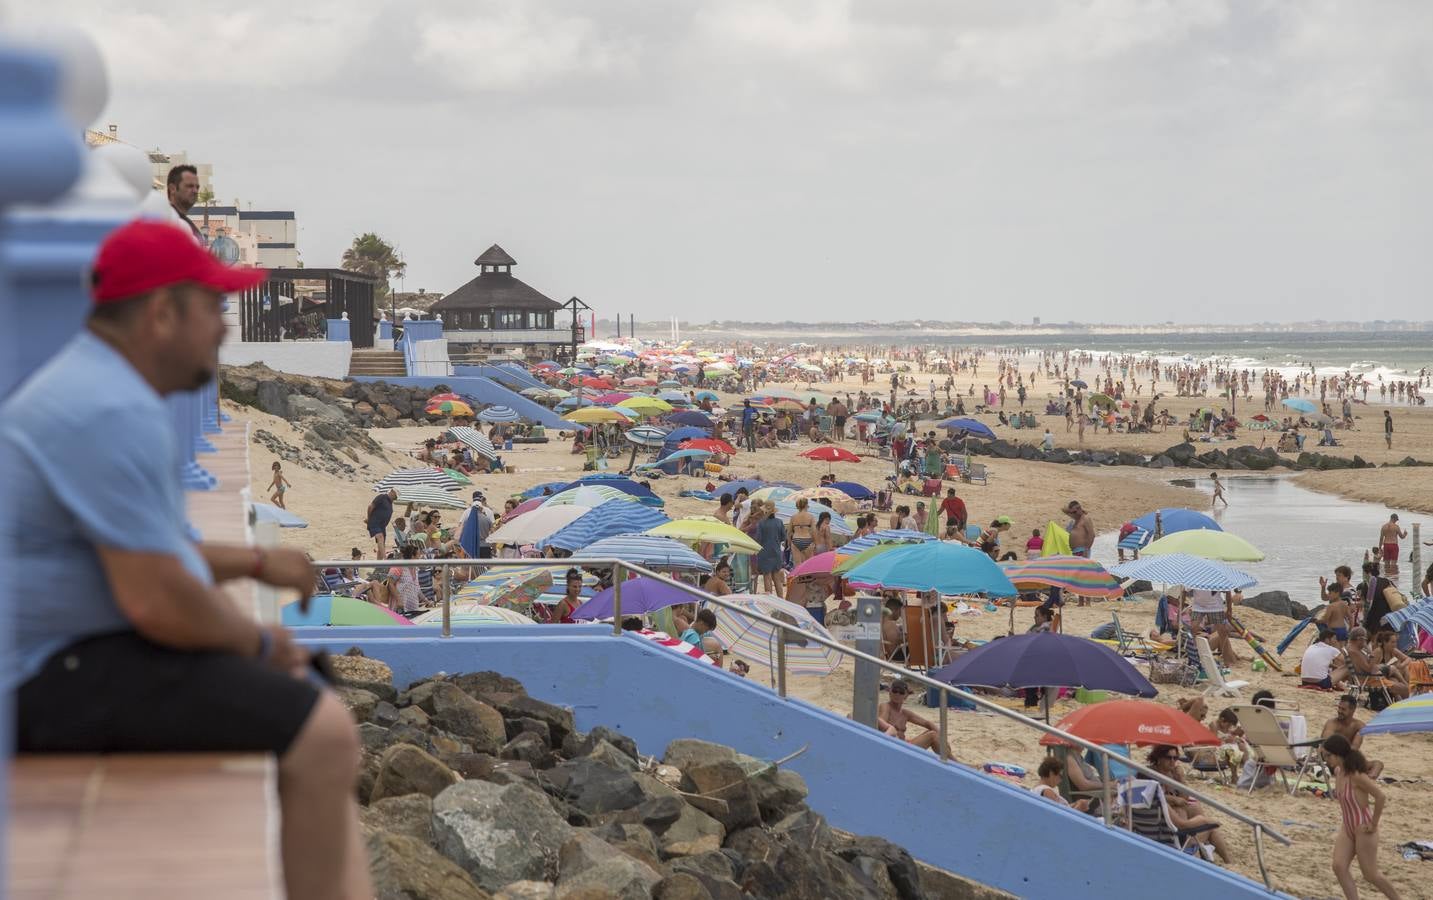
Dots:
(920, 720)
(171, 607)
(277, 566)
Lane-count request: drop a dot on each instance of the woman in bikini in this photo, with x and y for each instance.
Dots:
(1358, 836)
(801, 533)
(278, 486)
(823, 534)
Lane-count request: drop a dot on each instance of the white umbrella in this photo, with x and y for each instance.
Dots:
(537, 524)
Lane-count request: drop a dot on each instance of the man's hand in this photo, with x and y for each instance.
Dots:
(287, 568)
(284, 654)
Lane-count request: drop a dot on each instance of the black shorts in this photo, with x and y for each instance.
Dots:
(120, 693)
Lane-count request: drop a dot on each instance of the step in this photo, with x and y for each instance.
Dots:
(142, 826)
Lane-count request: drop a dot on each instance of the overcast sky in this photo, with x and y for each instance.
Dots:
(1109, 160)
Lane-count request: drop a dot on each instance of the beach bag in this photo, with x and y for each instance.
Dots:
(1394, 598)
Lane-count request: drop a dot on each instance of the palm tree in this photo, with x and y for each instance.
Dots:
(372, 255)
(206, 199)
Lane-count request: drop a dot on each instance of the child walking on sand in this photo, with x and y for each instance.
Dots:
(278, 486)
(1358, 835)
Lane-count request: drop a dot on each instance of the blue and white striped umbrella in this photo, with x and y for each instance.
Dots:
(647, 435)
(474, 440)
(425, 475)
(1419, 612)
(647, 550)
(427, 495)
(612, 517)
(1190, 571)
(499, 414)
(889, 536)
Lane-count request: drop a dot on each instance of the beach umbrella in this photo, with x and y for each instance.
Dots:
(474, 440)
(1140, 722)
(1206, 543)
(1074, 574)
(477, 615)
(820, 564)
(535, 393)
(548, 364)
(832, 497)
(787, 405)
(830, 454)
(439, 398)
(536, 525)
(570, 370)
(612, 517)
(331, 609)
(427, 495)
(546, 488)
(647, 436)
(1190, 571)
(887, 536)
(588, 495)
(647, 406)
(1298, 404)
(454, 408)
(1080, 383)
(499, 414)
(945, 568)
(650, 551)
(267, 512)
(639, 492)
(669, 383)
(785, 509)
(457, 476)
(420, 475)
(713, 445)
(773, 492)
(510, 586)
(1404, 717)
(639, 381)
(639, 596)
(560, 393)
(710, 531)
(569, 403)
(686, 433)
(846, 562)
(731, 487)
(594, 415)
(611, 397)
(869, 415)
(690, 417)
(676, 645)
(853, 490)
(676, 398)
(1041, 659)
(1172, 519)
(683, 454)
(590, 381)
(756, 641)
(969, 427)
(709, 395)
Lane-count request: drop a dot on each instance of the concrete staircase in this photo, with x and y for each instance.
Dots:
(377, 363)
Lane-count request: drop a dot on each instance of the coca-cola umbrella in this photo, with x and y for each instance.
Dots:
(1139, 722)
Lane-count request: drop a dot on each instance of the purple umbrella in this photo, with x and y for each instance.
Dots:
(690, 417)
(639, 596)
(1046, 660)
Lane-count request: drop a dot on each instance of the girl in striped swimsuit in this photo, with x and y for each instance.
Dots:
(1359, 834)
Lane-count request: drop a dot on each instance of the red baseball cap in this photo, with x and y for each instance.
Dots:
(147, 254)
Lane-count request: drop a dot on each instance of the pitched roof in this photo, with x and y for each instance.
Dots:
(496, 290)
(495, 256)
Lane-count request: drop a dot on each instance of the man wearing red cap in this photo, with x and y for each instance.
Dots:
(127, 645)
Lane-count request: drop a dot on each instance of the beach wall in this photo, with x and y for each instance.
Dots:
(318, 359)
(947, 815)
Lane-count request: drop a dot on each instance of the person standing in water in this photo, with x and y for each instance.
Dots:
(1388, 536)
(1218, 491)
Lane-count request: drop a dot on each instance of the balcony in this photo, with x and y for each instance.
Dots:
(512, 335)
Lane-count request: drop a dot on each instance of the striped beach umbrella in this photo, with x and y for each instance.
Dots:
(448, 408)
(612, 517)
(499, 414)
(535, 526)
(651, 551)
(1403, 717)
(676, 645)
(1075, 574)
(756, 642)
(426, 495)
(422, 475)
(888, 536)
(332, 609)
(707, 530)
(512, 586)
(474, 440)
(1190, 571)
(476, 615)
(647, 435)
(588, 495)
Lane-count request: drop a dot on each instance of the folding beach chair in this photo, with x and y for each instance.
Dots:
(1218, 687)
(1147, 811)
(1130, 644)
(1264, 733)
(977, 474)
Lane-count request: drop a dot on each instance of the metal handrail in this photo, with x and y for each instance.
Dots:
(620, 567)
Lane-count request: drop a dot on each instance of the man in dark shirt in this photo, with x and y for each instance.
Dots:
(1370, 592)
(380, 512)
(748, 425)
(183, 189)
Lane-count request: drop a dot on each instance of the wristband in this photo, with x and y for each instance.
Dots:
(257, 571)
(266, 646)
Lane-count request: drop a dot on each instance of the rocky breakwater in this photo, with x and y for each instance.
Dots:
(1180, 456)
(376, 404)
(473, 789)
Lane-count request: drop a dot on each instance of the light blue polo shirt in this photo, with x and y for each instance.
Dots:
(93, 461)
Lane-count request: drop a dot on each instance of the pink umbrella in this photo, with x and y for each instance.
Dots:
(609, 399)
(525, 506)
(820, 564)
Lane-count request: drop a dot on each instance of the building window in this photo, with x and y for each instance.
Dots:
(539, 320)
(509, 319)
(485, 321)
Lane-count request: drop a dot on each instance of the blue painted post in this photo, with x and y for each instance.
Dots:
(385, 330)
(338, 330)
(39, 160)
(197, 401)
(209, 396)
(184, 417)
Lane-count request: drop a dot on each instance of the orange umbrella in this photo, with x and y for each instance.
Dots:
(828, 453)
(712, 444)
(1141, 722)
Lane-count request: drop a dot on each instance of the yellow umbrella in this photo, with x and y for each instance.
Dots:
(647, 405)
(594, 415)
(1206, 543)
(700, 530)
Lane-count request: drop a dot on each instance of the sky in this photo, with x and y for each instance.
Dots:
(1215, 161)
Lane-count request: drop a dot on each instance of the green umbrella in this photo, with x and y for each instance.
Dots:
(846, 565)
(1206, 543)
(457, 476)
(1102, 399)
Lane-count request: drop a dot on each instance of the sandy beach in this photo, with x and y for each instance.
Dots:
(1031, 493)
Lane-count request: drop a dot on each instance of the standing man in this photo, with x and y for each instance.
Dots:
(954, 509)
(380, 513)
(1081, 528)
(748, 425)
(132, 647)
(473, 528)
(1388, 428)
(183, 190)
(1388, 537)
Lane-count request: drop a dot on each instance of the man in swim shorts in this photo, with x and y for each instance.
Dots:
(1388, 537)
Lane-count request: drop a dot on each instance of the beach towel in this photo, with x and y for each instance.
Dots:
(1057, 541)
(700, 495)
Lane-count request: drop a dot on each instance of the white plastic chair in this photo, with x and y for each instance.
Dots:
(1218, 687)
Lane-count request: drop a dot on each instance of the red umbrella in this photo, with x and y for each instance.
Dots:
(1141, 722)
(1261, 418)
(713, 445)
(829, 453)
(591, 382)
